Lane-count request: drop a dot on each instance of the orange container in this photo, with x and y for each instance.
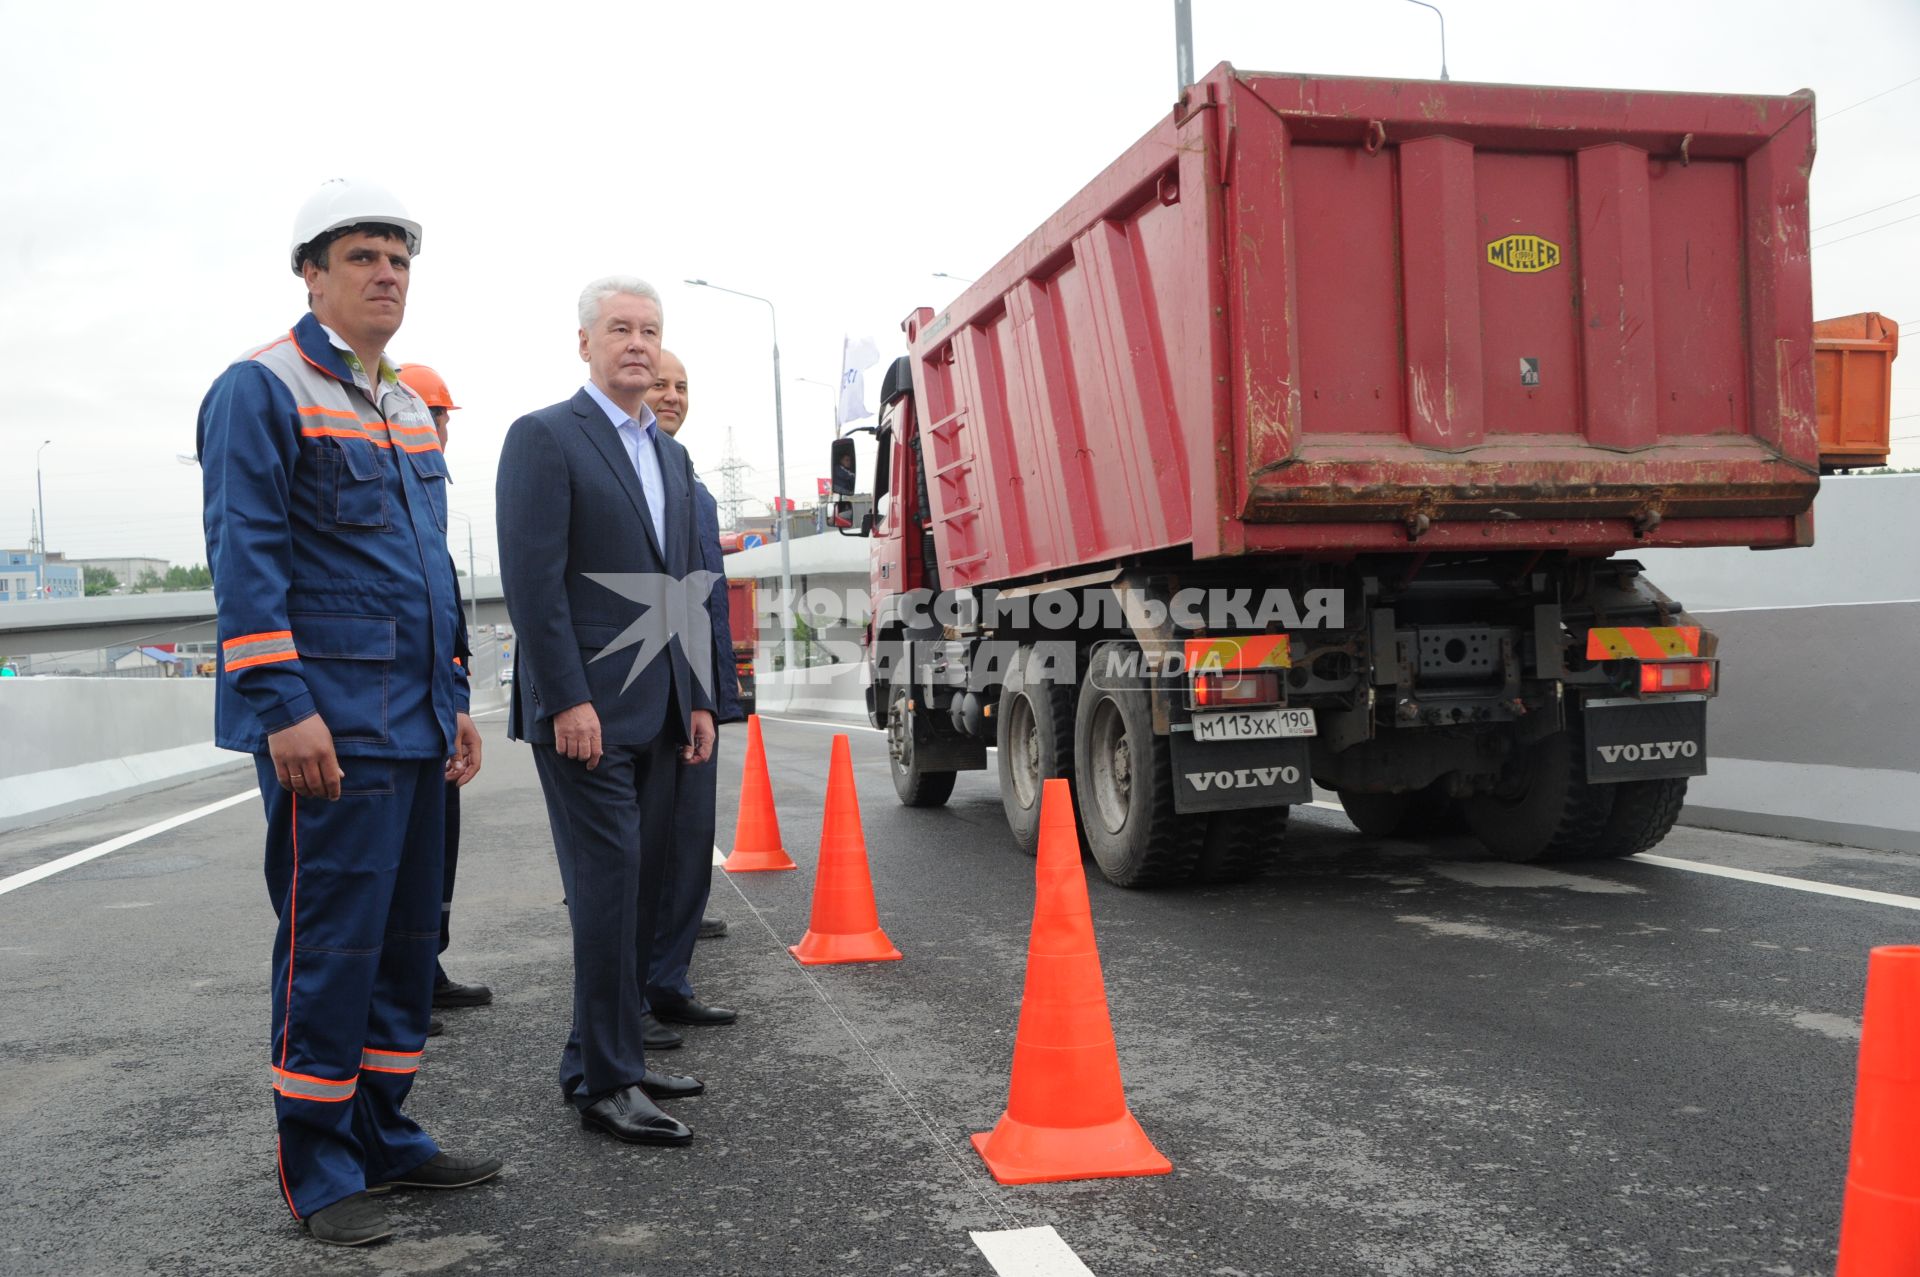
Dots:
(1853, 388)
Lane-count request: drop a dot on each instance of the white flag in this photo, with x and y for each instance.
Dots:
(857, 354)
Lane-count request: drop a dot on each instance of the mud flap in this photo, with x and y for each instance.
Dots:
(1240, 774)
(1645, 740)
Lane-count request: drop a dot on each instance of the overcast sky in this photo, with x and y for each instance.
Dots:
(831, 157)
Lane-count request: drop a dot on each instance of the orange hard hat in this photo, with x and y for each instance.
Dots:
(429, 385)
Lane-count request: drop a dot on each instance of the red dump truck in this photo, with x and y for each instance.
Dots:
(1311, 442)
(743, 597)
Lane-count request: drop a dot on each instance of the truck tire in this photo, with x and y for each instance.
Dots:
(1239, 844)
(1124, 785)
(1035, 739)
(1420, 813)
(915, 787)
(1644, 812)
(1543, 809)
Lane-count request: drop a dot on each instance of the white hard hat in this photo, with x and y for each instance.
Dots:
(344, 201)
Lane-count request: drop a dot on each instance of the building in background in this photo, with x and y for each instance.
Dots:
(126, 571)
(26, 575)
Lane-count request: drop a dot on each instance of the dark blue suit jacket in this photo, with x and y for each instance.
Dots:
(726, 683)
(569, 504)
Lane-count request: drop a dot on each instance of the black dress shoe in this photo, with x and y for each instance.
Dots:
(451, 994)
(447, 1170)
(711, 929)
(694, 1011)
(657, 1036)
(671, 1086)
(435, 1026)
(351, 1221)
(629, 1115)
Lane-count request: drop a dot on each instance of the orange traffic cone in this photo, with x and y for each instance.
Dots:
(1066, 1112)
(845, 926)
(756, 837)
(1880, 1224)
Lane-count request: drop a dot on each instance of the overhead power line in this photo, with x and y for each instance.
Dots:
(1870, 230)
(1863, 101)
(1856, 216)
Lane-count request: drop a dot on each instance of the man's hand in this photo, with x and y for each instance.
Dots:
(304, 760)
(702, 748)
(576, 734)
(464, 765)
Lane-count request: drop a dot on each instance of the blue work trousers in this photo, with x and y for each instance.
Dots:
(356, 886)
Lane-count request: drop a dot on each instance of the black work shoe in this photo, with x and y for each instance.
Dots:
(448, 1170)
(629, 1115)
(711, 929)
(656, 1036)
(671, 1086)
(452, 994)
(435, 1026)
(693, 1011)
(351, 1221)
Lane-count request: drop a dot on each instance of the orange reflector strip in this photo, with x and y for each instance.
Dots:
(1251, 652)
(1646, 643)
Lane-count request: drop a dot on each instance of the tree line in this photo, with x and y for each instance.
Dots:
(100, 581)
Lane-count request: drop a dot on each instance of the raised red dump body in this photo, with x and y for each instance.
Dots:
(1319, 315)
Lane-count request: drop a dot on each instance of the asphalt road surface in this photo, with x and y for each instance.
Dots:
(1380, 1058)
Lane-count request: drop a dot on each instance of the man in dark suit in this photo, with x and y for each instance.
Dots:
(683, 900)
(600, 564)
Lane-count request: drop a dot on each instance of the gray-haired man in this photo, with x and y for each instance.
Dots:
(596, 514)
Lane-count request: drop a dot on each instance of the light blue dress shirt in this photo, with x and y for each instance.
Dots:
(639, 437)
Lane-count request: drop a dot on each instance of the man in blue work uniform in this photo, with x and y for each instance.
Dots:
(340, 648)
(689, 875)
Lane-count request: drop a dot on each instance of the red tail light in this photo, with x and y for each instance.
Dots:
(1676, 676)
(1233, 687)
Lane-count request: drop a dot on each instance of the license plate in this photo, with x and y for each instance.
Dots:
(1253, 724)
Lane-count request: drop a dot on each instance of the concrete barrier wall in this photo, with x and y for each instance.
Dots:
(67, 741)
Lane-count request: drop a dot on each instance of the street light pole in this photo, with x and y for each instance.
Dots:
(473, 598)
(40, 487)
(780, 461)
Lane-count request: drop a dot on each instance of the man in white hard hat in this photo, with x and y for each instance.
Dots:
(340, 672)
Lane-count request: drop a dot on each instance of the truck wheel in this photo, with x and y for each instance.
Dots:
(1644, 812)
(1035, 746)
(1419, 813)
(916, 788)
(1543, 807)
(1239, 844)
(1125, 790)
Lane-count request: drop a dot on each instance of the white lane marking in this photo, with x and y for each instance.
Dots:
(489, 713)
(1030, 1252)
(1499, 873)
(94, 852)
(820, 722)
(719, 856)
(1775, 880)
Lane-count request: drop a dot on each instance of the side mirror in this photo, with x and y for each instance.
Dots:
(842, 461)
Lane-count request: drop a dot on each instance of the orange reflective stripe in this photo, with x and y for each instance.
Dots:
(431, 445)
(315, 410)
(304, 1086)
(390, 1061)
(258, 649)
(244, 639)
(399, 429)
(1253, 652)
(341, 432)
(265, 658)
(1646, 643)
